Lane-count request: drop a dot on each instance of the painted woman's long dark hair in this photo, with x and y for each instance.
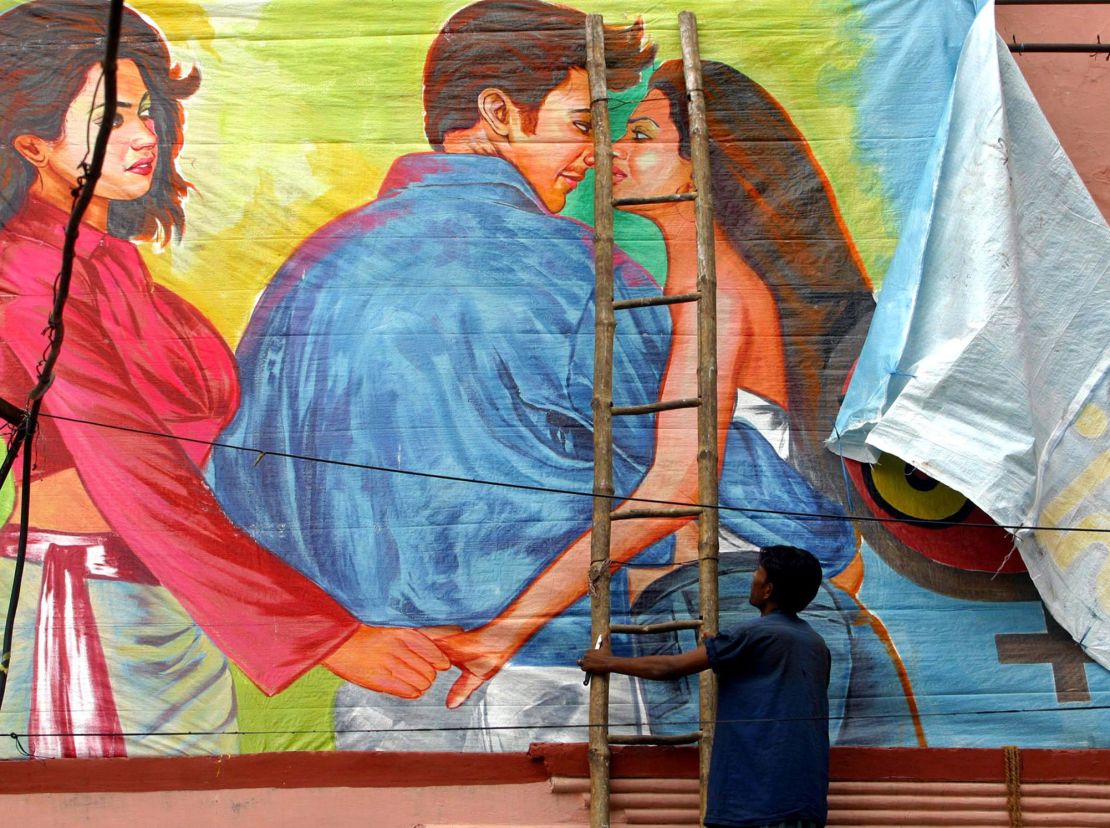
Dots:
(776, 206)
(46, 50)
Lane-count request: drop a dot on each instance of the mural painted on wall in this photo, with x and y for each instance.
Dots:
(314, 465)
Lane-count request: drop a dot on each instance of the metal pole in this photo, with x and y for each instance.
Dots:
(1052, 2)
(708, 542)
(604, 330)
(1060, 48)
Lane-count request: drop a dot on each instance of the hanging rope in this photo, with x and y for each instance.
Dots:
(1013, 784)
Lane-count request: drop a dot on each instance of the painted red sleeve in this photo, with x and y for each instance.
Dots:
(269, 619)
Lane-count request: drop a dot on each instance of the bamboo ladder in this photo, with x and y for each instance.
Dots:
(604, 411)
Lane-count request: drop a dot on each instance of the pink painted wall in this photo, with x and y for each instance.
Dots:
(561, 802)
(546, 788)
(531, 804)
(1072, 89)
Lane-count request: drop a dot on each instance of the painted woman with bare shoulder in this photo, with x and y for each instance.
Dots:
(792, 295)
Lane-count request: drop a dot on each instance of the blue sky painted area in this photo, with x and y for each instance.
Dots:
(904, 120)
(907, 77)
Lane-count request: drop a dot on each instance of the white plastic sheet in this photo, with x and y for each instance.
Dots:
(986, 365)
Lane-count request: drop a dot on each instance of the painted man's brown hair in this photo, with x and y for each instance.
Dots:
(525, 48)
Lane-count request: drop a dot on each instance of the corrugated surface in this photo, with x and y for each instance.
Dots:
(674, 802)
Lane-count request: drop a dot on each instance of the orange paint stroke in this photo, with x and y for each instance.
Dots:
(903, 677)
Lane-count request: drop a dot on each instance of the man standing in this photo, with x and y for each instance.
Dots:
(770, 762)
(447, 326)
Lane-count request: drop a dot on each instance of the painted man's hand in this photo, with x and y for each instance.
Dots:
(395, 660)
(479, 654)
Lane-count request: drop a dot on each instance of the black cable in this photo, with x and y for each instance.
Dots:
(263, 453)
(55, 324)
(11, 414)
(85, 190)
(494, 728)
(28, 433)
(12, 450)
(19, 745)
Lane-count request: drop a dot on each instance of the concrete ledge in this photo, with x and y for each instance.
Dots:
(541, 763)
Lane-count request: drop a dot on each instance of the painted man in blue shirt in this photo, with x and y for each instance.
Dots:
(770, 762)
(447, 327)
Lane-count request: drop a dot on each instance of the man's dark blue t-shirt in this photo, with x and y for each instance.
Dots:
(771, 748)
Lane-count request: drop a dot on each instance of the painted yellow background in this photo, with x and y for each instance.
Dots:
(305, 103)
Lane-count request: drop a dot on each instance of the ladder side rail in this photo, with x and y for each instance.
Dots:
(604, 331)
(708, 537)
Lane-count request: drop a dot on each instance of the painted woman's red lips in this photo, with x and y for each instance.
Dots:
(142, 167)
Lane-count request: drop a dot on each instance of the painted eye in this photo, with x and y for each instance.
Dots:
(932, 519)
(909, 493)
(583, 127)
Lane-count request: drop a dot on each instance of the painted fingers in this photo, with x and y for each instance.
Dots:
(399, 661)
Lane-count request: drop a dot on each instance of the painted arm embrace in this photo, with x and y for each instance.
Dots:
(673, 476)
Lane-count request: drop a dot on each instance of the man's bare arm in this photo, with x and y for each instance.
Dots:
(661, 667)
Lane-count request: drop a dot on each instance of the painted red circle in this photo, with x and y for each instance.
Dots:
(959, 543)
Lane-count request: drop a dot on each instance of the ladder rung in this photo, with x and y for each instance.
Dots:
(664, 405)
(650, 301)
(659, 199)
(677, 739)
(662, 512)
(661, 627)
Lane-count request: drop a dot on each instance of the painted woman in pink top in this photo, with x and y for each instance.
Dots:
(128, 547)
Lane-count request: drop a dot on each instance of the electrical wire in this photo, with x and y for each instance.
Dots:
(55, 324)
(691, 723)
(28, 434)
(263, 453)
(24, 434)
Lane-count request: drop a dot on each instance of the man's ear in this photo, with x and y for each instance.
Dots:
(33, 148)
(497, 111)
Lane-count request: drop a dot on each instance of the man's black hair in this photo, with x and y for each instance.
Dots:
(794, 574)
